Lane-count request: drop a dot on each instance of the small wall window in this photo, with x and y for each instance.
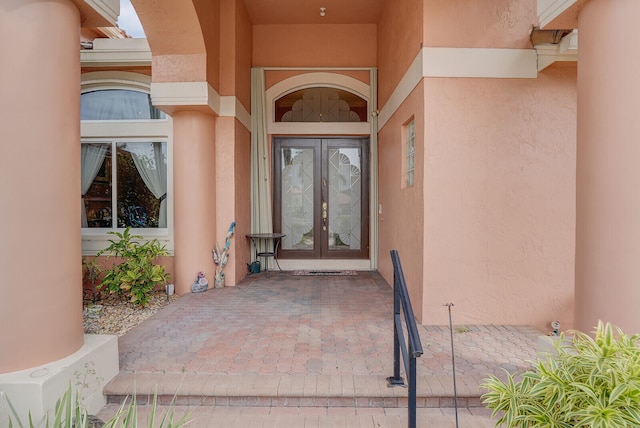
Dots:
(410, 147)
(321, 105)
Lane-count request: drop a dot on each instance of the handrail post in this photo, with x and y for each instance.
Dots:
(396, 380)
(411, 404)
(401, 300)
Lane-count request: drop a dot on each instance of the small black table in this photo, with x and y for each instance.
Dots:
(271, 249)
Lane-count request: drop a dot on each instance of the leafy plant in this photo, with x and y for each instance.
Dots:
(137, 275)
(590, 382)
(69, 413)
(64, 414)
(128, 412)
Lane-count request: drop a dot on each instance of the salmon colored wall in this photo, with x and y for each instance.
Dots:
(194, 196)
(607, 244)
(209, 20)
(499, 167)
(399, 41)
(275, 76)
(401, 223)
(235, 52)
(184, 38)
(225, 190)
(314, 45)
(171, 26)
(228, 47)
(233, 188)
(40, 244)
(479, 23)
(179, 68)
(244, 52)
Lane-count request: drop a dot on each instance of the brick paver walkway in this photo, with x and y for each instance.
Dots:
(300, 336)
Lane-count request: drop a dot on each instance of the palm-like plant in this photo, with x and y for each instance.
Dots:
(589, 382)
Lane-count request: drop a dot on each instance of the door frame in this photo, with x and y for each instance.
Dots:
(321, 240)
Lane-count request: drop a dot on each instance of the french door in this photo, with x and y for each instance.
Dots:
(321, 197)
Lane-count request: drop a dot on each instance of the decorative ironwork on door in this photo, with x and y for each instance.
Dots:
(321, 197)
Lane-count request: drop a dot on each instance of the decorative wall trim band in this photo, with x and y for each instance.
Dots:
(116, 53)
(198, 94)
(460, 63)
(483, 63)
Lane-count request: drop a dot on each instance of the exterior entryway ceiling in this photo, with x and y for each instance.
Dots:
(264, 12)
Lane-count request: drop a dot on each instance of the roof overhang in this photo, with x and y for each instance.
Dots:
(98, 13)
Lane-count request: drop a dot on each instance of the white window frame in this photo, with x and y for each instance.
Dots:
(410, 153)
(108, 131)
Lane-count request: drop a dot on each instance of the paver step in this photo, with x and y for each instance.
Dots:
(311, 417)
(191, 389)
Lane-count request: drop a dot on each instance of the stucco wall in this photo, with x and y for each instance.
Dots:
(314, 45)
(479, 23)
(233, 189)
(235, 52)
(500, 199)
(40, 272)
(495, 181)
(401, 222)
(399, 41)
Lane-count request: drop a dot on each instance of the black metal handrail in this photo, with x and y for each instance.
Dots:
(414, 350)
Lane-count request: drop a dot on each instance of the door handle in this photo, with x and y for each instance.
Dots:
(324, 216)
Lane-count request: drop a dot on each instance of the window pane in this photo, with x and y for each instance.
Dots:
(297, 198)
(96, 185)
(117, 104)
(410, 161)
(345, 198)
(321, 105)
(142, 184)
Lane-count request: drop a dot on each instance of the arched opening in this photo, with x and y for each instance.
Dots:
(321, 104)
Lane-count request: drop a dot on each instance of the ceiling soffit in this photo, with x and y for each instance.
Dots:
(269, 12)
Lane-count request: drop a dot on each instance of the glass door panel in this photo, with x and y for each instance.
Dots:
(321, 197)
(297, 198)
(345, 199)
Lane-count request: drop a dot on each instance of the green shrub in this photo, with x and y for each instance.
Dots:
(590, 382)
(137, 275)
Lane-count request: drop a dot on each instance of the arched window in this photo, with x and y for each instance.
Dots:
(125, 161)
(117, 104)
(321, 104)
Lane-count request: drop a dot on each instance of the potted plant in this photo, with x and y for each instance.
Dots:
(588, 382)
(220, 257)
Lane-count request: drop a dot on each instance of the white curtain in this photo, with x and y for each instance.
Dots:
(152, 168)
(117, 104)
(260, 163)
(92, 157)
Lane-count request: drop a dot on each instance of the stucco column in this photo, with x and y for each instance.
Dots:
(40, 247)
(194, 189)
(608, 166)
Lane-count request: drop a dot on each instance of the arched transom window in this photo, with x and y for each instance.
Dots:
(321, 104)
